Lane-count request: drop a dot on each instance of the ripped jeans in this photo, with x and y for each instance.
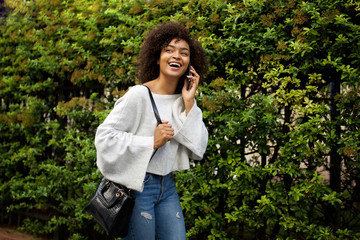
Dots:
(157, 212)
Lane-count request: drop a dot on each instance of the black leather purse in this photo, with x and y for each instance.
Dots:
(112, 204)
(112, 207)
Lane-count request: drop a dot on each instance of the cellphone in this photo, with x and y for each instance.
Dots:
(189, 73)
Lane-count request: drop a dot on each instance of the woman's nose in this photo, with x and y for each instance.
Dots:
(176, 55)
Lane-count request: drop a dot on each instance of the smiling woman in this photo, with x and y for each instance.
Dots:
(173, 62)
(127, 138)
(160, 38)
(178, 49)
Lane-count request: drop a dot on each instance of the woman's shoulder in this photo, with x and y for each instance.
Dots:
(136, 91)
(135, 94)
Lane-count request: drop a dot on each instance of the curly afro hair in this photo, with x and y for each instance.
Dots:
(158, 38)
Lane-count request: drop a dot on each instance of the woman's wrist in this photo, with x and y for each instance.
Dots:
(189, 105)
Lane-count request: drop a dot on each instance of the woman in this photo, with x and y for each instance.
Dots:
(127, 138)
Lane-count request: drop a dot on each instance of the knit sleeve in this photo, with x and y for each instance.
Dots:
(190, 130)
(122, 153)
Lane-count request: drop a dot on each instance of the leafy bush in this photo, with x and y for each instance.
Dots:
(281, 103)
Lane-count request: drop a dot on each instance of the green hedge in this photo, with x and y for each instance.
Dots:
(281, 103)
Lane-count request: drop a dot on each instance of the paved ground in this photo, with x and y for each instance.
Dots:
(10, 233)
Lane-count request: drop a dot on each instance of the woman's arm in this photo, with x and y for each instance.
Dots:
(190, 129)
(122, 153)
(191, 132)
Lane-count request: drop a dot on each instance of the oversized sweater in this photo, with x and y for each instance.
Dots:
(125, 140)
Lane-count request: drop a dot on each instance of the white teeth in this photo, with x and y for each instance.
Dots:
(174, 65)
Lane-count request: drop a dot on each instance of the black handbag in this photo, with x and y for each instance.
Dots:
(112, 204)
(112, 207)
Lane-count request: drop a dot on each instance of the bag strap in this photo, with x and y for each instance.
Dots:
(156, 113)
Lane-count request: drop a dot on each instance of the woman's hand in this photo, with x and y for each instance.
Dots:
(189, 95)
(163, 133)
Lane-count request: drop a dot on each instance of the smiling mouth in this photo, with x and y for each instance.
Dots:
(175, 65)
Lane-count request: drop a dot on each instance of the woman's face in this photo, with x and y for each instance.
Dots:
(174, 58)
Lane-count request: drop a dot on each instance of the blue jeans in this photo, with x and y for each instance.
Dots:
(157, 212)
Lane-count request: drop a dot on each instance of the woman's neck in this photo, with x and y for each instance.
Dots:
(162, 86)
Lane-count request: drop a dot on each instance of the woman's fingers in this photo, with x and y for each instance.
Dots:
(195, 76)
(166, 130)
(163, 133)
